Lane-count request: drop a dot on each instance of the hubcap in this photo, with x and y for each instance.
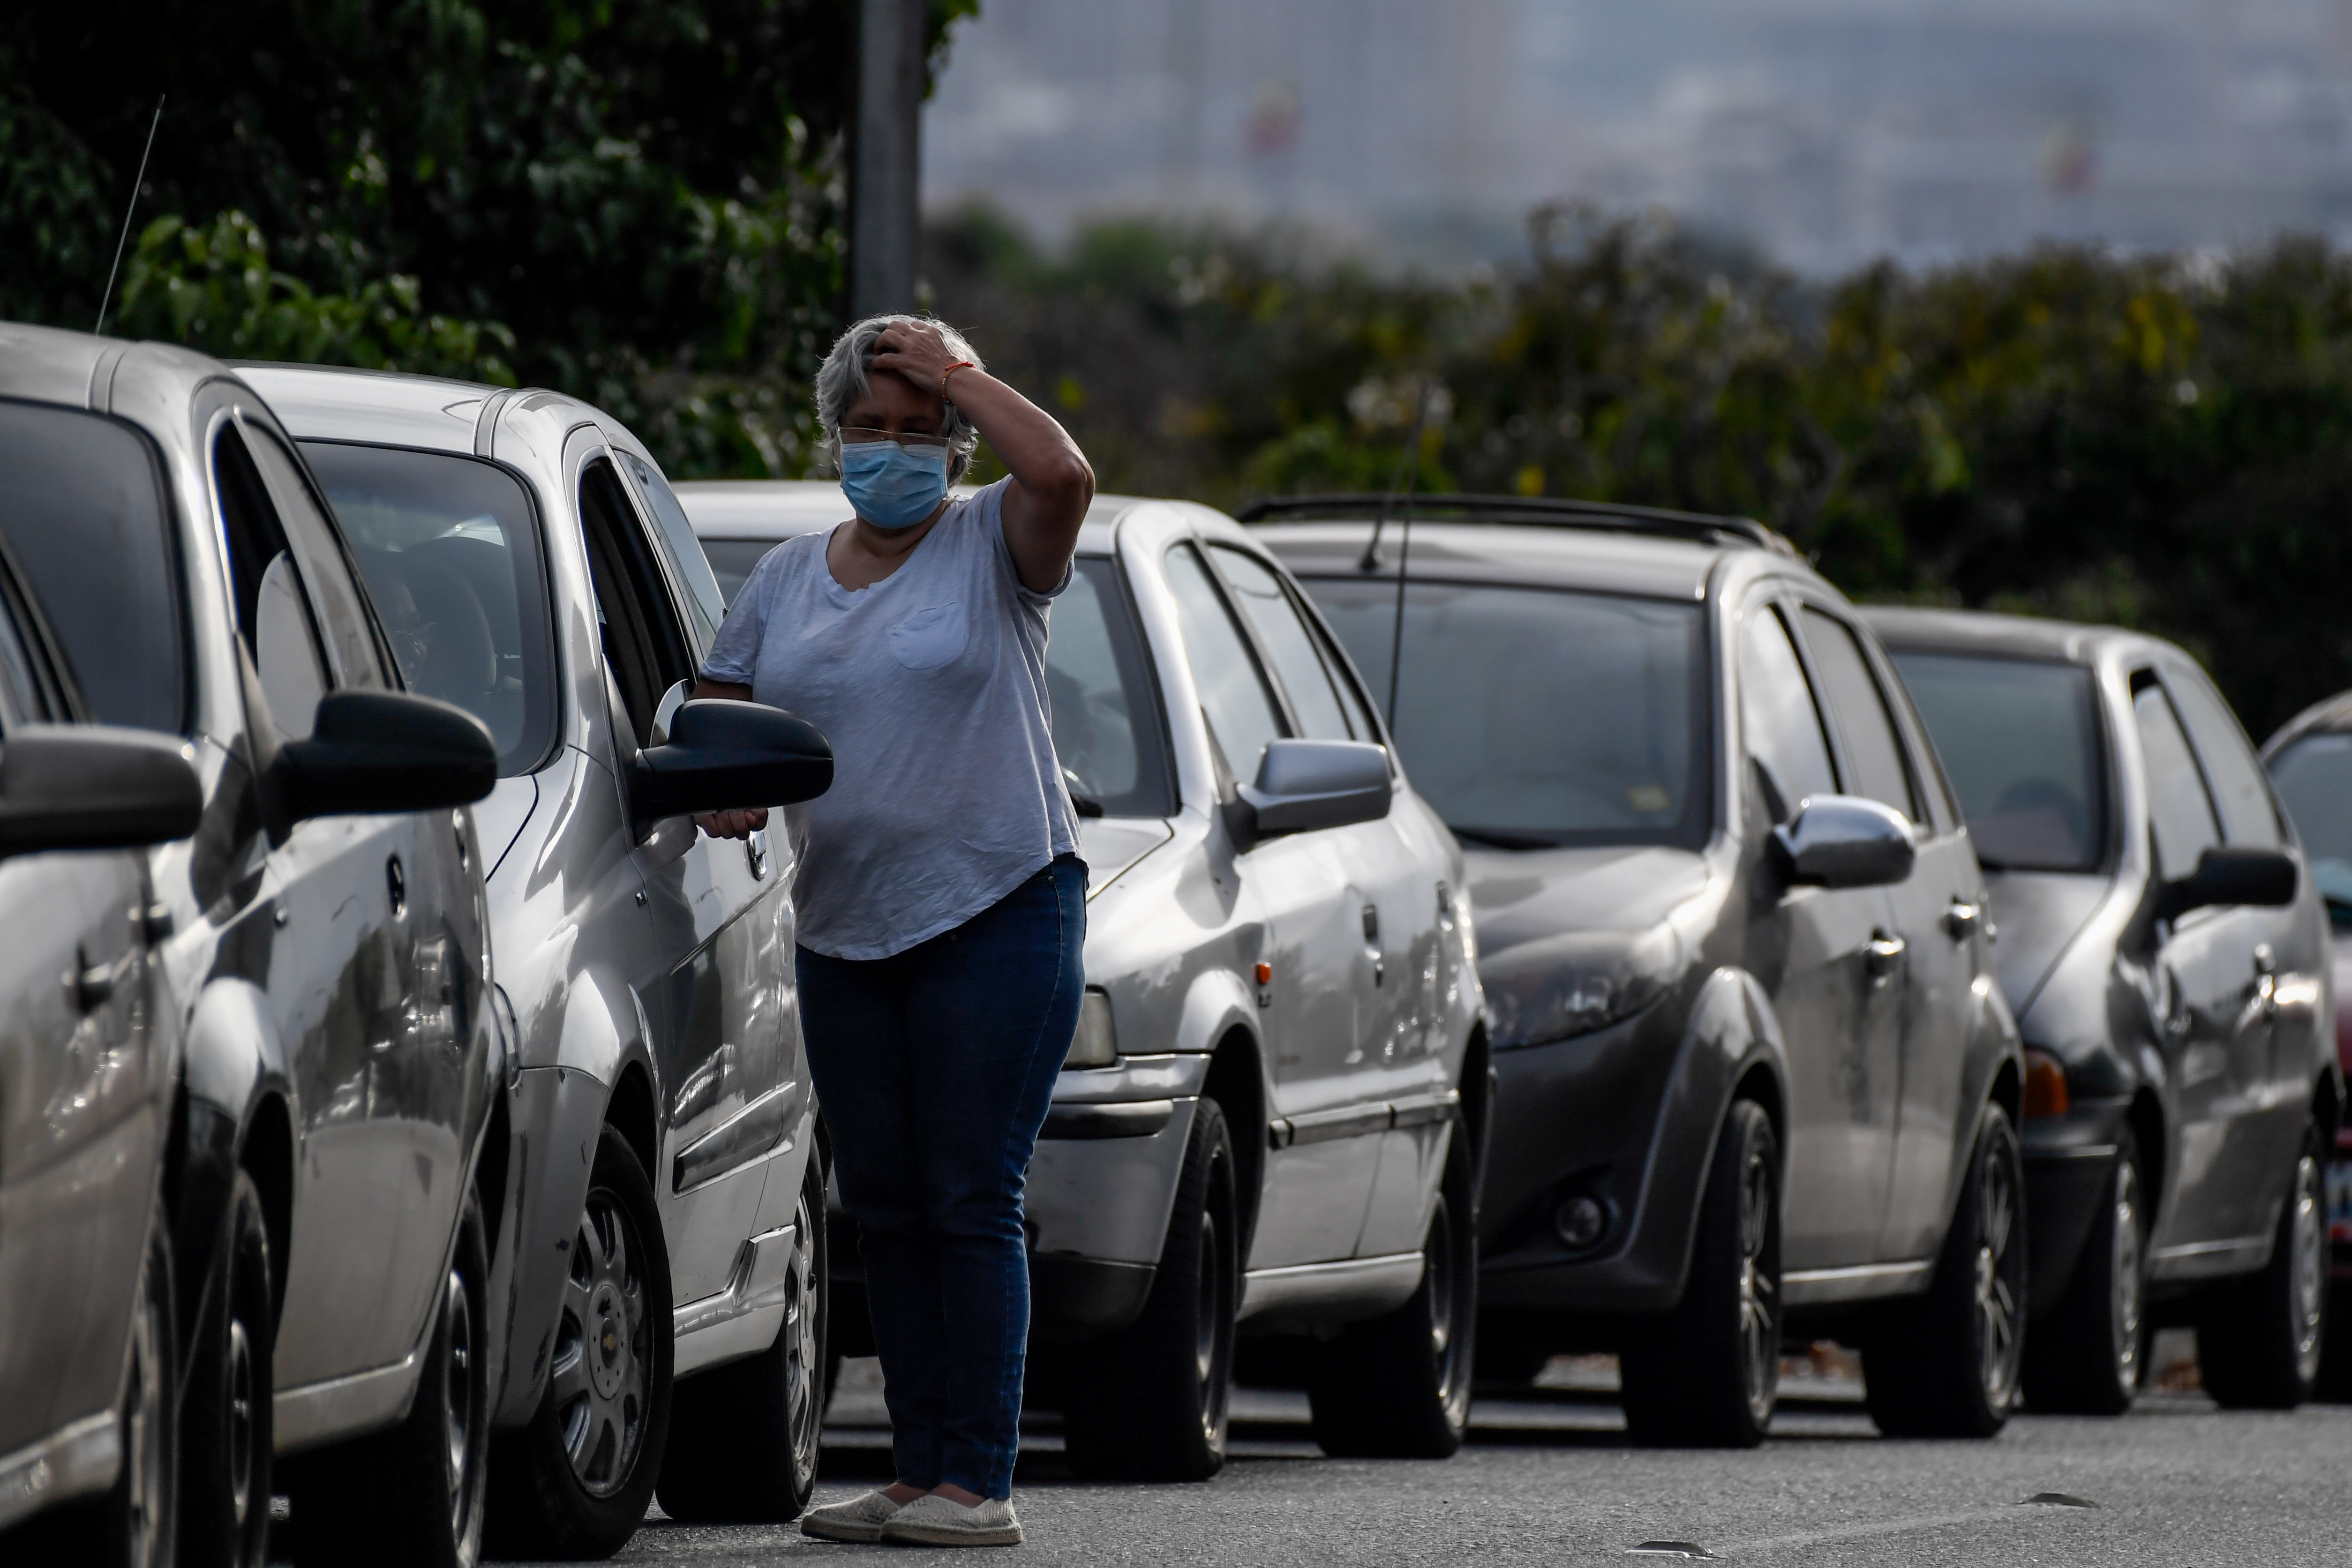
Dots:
(240, 1421)
(803, 1371)
(603, 1355)
(1760, 1321)
(2310, 1264)
(2128, 1247)
(1998, 1266)
(458, 1375)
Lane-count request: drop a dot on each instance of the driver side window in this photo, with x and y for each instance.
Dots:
(1781, 724)
(273, 615)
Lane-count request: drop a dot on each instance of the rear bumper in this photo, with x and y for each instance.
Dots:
(2068, 1160)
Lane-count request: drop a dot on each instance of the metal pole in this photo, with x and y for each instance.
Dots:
(885, 188)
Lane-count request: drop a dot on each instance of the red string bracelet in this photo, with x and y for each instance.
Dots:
(959, 365)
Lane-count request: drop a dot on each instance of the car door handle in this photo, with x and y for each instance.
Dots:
(1961, 917)
(1881, 954)
(92, 985)
(755, 852)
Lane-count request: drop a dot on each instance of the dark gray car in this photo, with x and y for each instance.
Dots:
(2166, 953)
(321, 948)
(1754, 1080)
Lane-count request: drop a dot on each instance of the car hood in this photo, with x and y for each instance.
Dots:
(1526, 895)
(1111, 844)
(2035, 914)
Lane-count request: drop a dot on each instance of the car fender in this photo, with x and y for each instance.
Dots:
(232, 1060)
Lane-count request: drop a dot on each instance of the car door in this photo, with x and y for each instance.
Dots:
(1315, 972)
(82, 1077)
(1828, 959)
(351, 902)
(2213, 1026)
(1935, 918)
(1387, 879)
(2272, 1060)
(716, 977)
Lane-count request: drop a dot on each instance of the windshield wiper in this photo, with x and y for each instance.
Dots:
(1502, 839)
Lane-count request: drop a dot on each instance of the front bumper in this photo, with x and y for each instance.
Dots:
(2068, 1161)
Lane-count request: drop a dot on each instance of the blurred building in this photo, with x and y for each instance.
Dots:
(1827, 131)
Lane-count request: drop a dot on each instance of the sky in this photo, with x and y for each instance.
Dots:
(1826, 132)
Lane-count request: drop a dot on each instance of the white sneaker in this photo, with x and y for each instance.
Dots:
(859, 1518)
(935, 1520)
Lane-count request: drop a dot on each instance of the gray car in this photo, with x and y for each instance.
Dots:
(2167, 952)
(655, 1131)
(1754, 1077)
(297, 997)
(1273, 1114)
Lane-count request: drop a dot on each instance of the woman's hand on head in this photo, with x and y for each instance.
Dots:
(916, 351)
(733, 825)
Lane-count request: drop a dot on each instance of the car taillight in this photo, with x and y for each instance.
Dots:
(2045, 1084)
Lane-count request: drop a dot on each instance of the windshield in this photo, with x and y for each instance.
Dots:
(2019, 741)
(450, 551)
(2313, 776)
(1533, 718)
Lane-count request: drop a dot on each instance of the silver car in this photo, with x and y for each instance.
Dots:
(1274, 1112)
(532, 566)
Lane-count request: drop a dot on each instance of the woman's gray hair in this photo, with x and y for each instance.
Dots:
(841, 382)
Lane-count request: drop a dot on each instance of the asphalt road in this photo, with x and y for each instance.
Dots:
(1549, 1479)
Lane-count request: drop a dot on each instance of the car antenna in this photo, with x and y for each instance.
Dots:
(132, 207)
(1409, 467)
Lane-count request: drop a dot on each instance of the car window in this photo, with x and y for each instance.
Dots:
(87, 522)
(2178, 811)
(1289, 647)
(450, 551)
(21, 699)
(273, 615)
(2247, 815)
(2313, 775)
(1777, 716)
(1233, 696)
(342, 619)
(1538, 717)
(644, 648)
(1863, 721)
(1105, 717)
(2020, 740)
(675, 535)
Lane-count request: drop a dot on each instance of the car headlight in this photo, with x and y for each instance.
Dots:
(1096, 1044)
(1580, 981)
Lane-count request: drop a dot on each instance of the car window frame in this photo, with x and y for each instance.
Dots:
(1782, 598)
(2143, 677)
(664, 598)
(1229, 781)
(1918, 813)
(2175, 679)
(1210, 545)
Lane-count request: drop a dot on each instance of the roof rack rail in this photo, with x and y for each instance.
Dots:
(1607, 516)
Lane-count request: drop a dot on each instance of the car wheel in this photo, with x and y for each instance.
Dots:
(1946, 1364)
(2334, 1385)
(1708, 1374)
(1149, 1403)
(412, 1496)
(225, 1506)
(2259, 1339)
(2088, 1352)
(1399, 1386)
(574, 1483)
(743, 1437)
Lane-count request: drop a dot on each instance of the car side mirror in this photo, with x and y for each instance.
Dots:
(2265, 878)
(727, 756)
(1844, 841)
(1303, 784)
(94, 787)
(388, 751)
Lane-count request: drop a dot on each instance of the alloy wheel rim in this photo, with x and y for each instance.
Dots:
(2126, 1281)
(1998, 1345)
(458, 1384)
(1204, 1316)
(240, 1421)
(1760, 1331)
(2310, 1264)
(803, 1395)
(602, 1363)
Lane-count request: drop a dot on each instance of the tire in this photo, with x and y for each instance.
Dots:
(1398, 1388)
(135, 1523)
(744, 1437)
(1708, 1374)
(1150, 1404)
(412, 1496)
(2260, 1340)
(225, 1420)
(2087, 1353)
(574, 1483)
(1946, 1364)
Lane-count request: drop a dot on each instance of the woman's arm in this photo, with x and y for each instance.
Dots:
(1052, 481)
(728, 824)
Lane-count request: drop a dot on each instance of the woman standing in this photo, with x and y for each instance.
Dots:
(941, 901)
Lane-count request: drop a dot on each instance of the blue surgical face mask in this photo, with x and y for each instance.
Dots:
(894, 486)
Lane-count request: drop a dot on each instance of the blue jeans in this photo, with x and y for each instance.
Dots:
(934, 1068)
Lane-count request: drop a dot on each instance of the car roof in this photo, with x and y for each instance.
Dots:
(390, 407)
(54, 365)
(2328, 716)
(779, 509)
(1506, 552)
(2005, 636)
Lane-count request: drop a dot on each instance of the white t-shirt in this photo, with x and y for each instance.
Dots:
(931, 685)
